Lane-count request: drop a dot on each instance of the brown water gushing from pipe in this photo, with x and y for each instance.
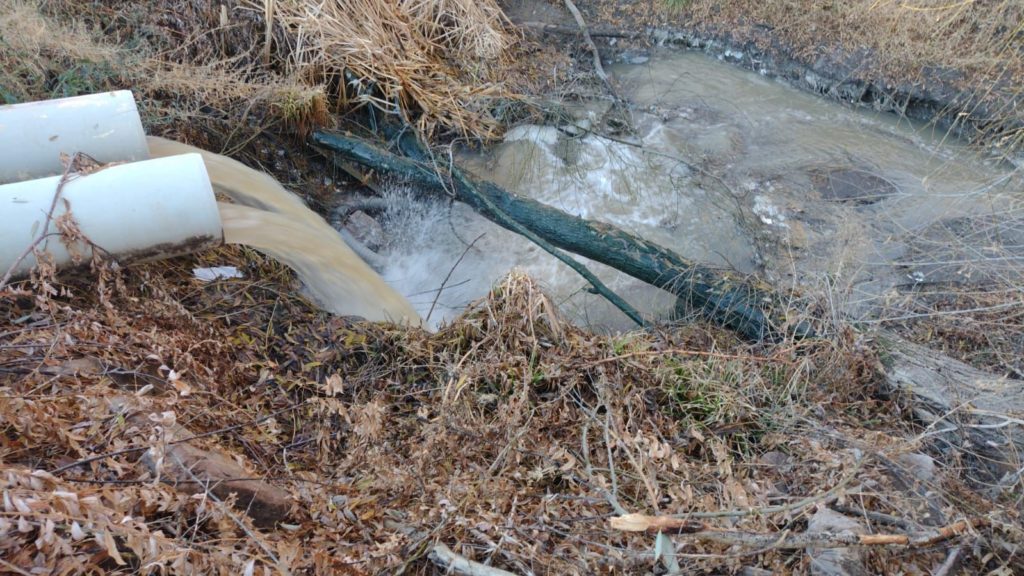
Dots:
(274, 221)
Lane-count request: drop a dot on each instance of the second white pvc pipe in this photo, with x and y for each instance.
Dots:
(33, 136)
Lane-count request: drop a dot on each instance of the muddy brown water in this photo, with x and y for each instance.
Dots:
(736, 170)
(276, 222)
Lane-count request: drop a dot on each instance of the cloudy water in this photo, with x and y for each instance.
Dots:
(734, 170)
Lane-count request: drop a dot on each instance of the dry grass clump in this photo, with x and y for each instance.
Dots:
(37, 59)
(226, 71)
(510, 435)
(437, 62)
(43, 57)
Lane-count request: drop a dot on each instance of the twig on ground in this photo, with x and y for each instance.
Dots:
(613, 501)
(451, 562)
(952, 559)
(611, 460)
(703, 531)
(684, 352)
(446, 559)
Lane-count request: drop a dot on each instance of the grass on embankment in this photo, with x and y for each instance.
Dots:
(241, 67)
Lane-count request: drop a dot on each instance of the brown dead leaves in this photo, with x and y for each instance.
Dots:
(510, 436)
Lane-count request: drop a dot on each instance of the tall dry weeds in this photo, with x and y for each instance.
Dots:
(253, 64)
(436, 62)
(43, 56)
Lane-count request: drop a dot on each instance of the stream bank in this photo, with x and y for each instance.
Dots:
(867, 65)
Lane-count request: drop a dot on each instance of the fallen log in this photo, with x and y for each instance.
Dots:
(725, 299)
(967, 413)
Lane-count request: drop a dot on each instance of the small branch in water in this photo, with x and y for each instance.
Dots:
(598, 68)
(502, 218)
(507, 221)
(367, 205)
(595, 282)
(449, 275)
(376, 261)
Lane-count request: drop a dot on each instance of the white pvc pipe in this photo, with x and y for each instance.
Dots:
(140, 211)
(33, 135)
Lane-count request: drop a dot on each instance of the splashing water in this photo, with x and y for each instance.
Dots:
(332, 272)
(276, 222)
(737, 171)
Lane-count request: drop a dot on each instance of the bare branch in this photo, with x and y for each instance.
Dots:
(704, 532)
(598, 68)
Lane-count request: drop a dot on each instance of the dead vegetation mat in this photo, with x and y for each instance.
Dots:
(510, 436)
